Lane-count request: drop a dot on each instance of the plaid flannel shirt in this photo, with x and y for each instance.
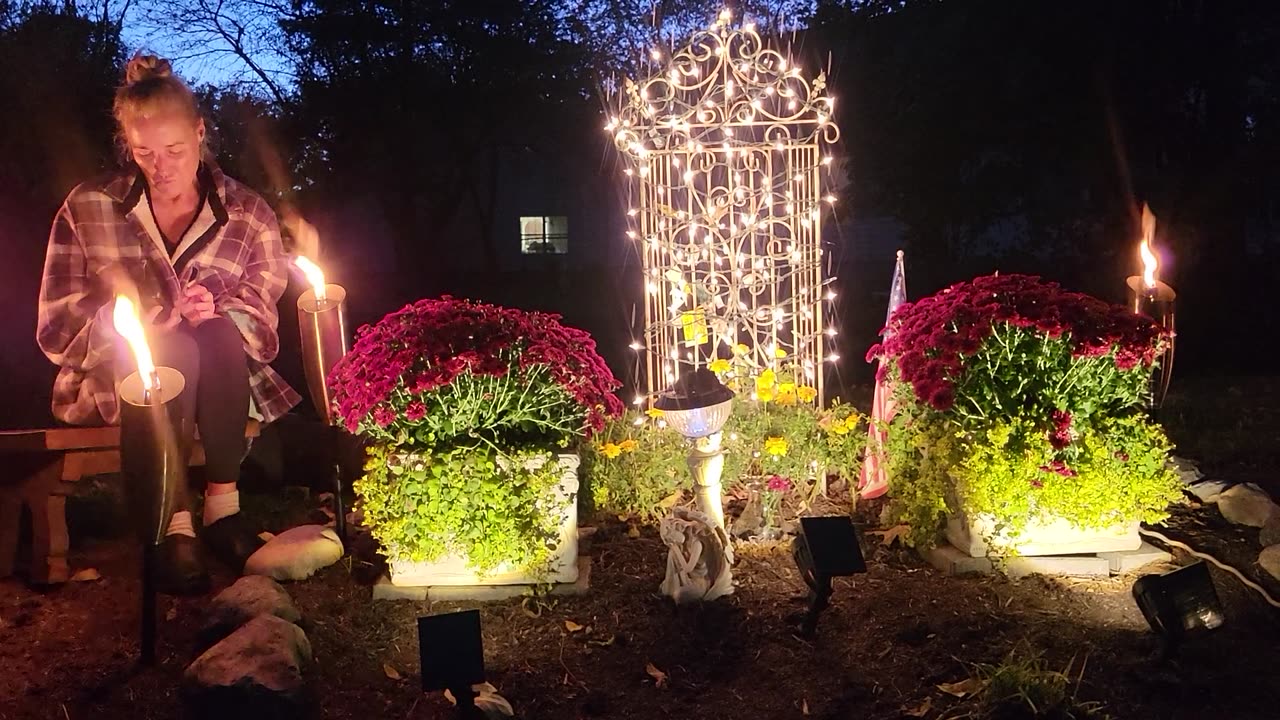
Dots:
(234, 250)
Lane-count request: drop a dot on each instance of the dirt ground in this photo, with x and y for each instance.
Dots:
(890, 639)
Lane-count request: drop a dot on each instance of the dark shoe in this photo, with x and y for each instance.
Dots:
(179, 568)
(232, 541)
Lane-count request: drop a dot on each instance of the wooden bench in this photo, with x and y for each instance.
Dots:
(42, 462)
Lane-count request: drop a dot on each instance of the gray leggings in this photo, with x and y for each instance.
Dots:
(211, 358)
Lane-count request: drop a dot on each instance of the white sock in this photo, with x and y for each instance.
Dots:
(180, 524)
(217, 507)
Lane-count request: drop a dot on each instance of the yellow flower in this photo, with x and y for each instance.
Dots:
(719, 365)
(766, 379)
(654, 413)
(806, 393)
(610, 450)
(839, 428)
(779, 353)
(627, 446)
(775, 446)
(787, 394)
(741, 349)
(851, 422)
(765, 394)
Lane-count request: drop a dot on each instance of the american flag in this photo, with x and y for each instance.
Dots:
(874, 481)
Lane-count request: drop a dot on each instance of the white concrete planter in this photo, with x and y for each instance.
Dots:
(1053, 536)
(452, 569)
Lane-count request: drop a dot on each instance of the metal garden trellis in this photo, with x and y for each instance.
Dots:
(726, 150)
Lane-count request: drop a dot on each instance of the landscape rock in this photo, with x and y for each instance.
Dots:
(249, 597)
(296, 553)
(1208, 491)
(1270, 534)
(256, 671)
(1186, 470)
(1247, 504)
(751, 519)
(1269, 559)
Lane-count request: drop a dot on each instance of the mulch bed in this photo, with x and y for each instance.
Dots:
(890, 639)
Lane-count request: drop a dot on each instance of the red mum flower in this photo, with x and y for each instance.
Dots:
(415, 411)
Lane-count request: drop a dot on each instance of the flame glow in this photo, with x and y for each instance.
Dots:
(125, 319)
(314, 275)
(1149, 261)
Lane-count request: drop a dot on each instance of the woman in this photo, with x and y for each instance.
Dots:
(205, 255)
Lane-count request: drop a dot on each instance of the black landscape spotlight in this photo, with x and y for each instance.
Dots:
(1179, 602)
(826, 547)
(451, 652)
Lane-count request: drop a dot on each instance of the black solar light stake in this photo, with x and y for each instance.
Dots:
(826, 547)
(451, 652)
(1179, 602)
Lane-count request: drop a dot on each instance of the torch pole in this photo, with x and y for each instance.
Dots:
(154, 466)
(325, 339)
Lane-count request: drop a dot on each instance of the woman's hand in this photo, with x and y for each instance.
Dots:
(197, 304)
(159, 327)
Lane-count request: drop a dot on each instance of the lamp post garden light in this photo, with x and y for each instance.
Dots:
(697, 406)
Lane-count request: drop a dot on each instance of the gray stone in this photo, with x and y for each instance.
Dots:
(296, 553)
(1270, 534)
(256, 671)
(1123, 562)
(249, 597)
(751, 519)
(1269, 559)
(1186, 470)
(1208, 491)
(1247, 504)
(384, 590)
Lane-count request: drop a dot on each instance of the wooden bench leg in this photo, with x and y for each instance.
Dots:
(10, 519)
(49, 540)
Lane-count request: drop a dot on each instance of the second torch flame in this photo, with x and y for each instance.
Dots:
(1149, 261)
(314, 276)
(125, 319)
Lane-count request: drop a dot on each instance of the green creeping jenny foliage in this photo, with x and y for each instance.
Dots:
(470, 501)
(636, 468)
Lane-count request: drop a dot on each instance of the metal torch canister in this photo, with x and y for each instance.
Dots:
(152, 459)
(323, 326)
(1157, 303)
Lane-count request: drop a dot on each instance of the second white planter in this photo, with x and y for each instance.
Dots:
(1053, 536)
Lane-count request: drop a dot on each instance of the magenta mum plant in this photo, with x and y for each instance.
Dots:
(449, 372)
(1021, 400)
(1009, 343)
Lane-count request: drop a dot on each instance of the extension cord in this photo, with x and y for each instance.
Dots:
(1204, 556)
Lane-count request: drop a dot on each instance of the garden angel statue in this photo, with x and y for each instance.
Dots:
(698, 557)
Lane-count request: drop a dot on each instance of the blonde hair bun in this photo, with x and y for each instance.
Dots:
(145, 67)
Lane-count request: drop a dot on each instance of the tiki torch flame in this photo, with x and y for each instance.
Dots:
(313, 275)
(1149, 262)
(125, 319)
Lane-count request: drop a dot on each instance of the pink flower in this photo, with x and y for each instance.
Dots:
(384, 416)
(777, 483)
(415, 411)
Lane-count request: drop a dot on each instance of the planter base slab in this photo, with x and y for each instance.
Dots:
(952, 561)
(385, 590)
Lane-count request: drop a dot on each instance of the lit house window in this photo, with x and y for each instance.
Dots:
(548, 235)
